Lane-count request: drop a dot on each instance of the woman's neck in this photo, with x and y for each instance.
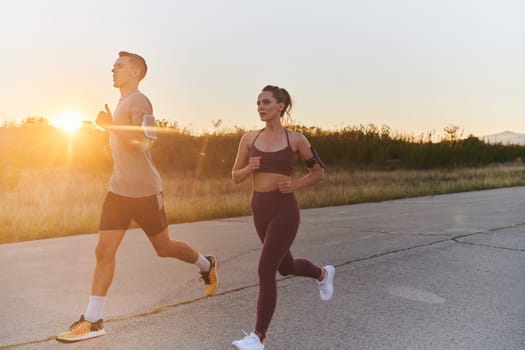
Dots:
(274, 125)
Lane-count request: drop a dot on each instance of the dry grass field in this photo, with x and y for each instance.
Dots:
(56, 202)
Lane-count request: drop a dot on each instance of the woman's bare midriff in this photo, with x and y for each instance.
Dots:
(267, 182)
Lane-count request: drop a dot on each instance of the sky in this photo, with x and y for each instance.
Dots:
(415, 66)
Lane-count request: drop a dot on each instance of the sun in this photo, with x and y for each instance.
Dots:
(70, 122)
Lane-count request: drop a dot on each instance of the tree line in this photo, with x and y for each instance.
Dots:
(36, 144)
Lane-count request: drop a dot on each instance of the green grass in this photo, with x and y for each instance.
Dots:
(52, 203)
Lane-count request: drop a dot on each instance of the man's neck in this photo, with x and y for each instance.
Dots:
(126, 90)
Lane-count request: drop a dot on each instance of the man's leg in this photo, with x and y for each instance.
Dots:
(106, 251)
(90, 324)
(168, 248)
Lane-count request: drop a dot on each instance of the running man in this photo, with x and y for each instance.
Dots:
(135, 193)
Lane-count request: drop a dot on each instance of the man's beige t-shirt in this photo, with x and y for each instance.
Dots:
(134, 173)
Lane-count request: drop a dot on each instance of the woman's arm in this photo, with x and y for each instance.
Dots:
(244, 164)
(315, 173)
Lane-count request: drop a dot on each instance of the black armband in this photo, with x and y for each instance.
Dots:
(315, 159)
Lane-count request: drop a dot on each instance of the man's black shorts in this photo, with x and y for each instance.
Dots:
(148, 212)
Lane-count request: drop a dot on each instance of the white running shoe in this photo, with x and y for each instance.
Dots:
(326, 286)
(249, 342)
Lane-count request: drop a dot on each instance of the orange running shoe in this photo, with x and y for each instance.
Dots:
(211, 278)
(82, 330)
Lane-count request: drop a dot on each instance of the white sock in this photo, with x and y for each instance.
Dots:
(94, 308)
(202, 263)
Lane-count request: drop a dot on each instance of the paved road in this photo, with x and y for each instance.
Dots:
(442, 272)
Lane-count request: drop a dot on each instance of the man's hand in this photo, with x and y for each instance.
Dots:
(104, 119)
(107, 152)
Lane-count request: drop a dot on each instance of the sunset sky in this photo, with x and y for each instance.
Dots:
(414, 65)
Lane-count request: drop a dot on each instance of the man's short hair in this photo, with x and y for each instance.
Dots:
(136, 60)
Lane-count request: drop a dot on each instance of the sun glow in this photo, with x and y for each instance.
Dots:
(67, 121)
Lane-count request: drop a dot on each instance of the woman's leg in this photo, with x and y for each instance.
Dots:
(277, 238)
(299, 267)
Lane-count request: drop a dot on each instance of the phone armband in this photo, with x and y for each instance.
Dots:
(148, 125)
(314, 160)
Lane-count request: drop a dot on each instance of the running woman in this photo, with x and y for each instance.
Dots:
(135, 193)
(268, 157)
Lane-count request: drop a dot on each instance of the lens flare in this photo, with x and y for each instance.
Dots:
(70, 122)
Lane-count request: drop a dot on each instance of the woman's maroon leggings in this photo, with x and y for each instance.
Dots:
(276, 217)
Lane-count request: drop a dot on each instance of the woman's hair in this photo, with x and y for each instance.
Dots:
(282, 96)
(137, 61)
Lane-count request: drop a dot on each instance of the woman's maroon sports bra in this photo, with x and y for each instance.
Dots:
(279, 162)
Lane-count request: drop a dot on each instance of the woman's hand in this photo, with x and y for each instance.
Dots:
(286, 186)
(254, 163)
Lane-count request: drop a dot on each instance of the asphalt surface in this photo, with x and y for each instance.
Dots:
(441, 272)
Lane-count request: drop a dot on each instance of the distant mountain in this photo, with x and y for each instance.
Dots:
(506, 138)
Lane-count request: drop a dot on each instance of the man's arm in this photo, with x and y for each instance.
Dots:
(133, 134)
